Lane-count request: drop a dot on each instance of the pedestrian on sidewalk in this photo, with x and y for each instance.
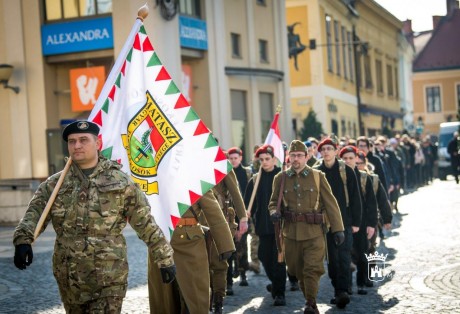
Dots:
(92, 207)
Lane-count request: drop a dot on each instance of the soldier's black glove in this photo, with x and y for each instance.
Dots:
(275, 217)
(168, 273)
(225, 256)
(23, 256)
(339, 237)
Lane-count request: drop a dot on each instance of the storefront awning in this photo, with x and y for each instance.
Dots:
(381, 112)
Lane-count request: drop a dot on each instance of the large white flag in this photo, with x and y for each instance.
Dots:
(148, 126)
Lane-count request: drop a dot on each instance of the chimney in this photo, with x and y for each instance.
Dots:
(436, 20)
(407, 27)
(451, 5)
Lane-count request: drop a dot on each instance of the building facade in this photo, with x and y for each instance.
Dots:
(232, 70)
(436, 77)
(351, 78)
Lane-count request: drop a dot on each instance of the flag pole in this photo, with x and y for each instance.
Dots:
(256, 183)
(52, 198)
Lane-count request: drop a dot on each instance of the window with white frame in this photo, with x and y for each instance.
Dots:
(433, 99)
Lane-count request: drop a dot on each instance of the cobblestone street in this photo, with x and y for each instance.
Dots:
(423, 267)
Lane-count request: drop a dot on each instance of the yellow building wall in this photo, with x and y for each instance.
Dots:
(447, 81)
(383, 42)
(301, 77)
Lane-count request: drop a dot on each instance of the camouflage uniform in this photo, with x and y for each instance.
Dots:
(191, 257)
(89, 213)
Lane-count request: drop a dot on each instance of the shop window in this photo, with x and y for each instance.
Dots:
(239, 119)
(266, 113)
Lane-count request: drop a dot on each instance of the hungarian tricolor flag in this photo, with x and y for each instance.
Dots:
(274, 139)
(148, 126)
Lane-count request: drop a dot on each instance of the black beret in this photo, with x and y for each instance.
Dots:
(80, 127)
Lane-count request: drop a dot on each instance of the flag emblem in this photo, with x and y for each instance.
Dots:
(149, 137)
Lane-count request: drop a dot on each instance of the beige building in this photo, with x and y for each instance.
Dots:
(228, 56)
(327, 76)
(436, 78)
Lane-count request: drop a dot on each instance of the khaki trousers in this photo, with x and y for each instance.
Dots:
(305, 259)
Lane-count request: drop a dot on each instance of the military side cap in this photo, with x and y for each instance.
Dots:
(348, 149)
(265, 149)
(307, 143)
(80, 127)
(327, 141)
(297, 146)
(235, 150)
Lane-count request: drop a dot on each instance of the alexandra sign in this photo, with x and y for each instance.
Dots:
(84, 35)
(192, 33)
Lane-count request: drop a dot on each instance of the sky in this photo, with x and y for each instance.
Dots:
(419, 11)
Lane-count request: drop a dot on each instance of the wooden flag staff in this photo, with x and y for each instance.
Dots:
(52, 198)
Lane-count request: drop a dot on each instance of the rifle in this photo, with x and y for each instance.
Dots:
(278, 233)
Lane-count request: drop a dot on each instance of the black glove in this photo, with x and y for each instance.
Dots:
(339, 237)
(23, 256)
(168, 273)
(275, 217)
(225, 256)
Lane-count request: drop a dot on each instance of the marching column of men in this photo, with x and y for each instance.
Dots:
(327, 203)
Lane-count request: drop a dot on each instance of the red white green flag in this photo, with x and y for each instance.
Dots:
(148, 126)
(274, 139)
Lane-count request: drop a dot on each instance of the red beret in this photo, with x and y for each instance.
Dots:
(235, 150)
(327, 141)
(361, 155)
(348, 149)
(265, 149)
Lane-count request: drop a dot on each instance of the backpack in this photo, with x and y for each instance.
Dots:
(363, 182)
(343, 175)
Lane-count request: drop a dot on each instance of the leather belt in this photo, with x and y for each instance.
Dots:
(309, 218)
(187, 222)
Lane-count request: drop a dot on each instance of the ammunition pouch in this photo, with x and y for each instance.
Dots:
(309, 218)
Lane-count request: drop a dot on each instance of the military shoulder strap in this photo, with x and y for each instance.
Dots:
(248, 172)
(363, 182)
(375, 182)
(343, 175)
(317, 183)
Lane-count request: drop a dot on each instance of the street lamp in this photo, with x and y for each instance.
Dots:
(5, 74)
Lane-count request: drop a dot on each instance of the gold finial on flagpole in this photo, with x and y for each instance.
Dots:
(143, 12)
(278, 108)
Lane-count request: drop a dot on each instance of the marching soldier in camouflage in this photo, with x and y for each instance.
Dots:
(231, 202)
(307, 204)
(191, 247)
(91, 209)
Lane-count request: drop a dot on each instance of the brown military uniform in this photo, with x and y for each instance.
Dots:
(304, 240)
(230, 199)
(88, 215)
(191, 257)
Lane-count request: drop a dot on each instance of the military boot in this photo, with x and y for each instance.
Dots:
(244, 281)
(218, 304)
